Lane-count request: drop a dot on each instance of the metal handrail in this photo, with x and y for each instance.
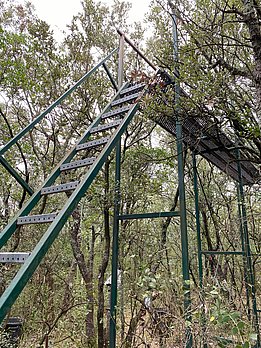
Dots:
(53, 105)
(137, 50)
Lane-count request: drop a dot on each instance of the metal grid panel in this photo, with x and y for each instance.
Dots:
(212, 144)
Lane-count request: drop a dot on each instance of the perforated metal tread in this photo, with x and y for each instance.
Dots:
(13, 257)
(36, 219)
(77, 164)
(59, 188)
(93, 143)
(125, 99)
(104, 127)
(116, 111)
(133, 88)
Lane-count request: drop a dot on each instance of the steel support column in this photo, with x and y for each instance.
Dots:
(200, 262)
(184, 235)
(247, 251)
(241, 228)
(115, 249)
(182, 198)
(115, 241)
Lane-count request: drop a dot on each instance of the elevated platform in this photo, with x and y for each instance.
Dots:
(211, 143)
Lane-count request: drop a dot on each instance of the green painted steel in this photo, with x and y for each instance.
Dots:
(110, 77)
(250, 271)
(115, 248)
(196, 198)
(17, 177)
(213, 252)
(31, 203)
(182, 198)
(200, 261)
(117, 197)
(184, 235)
(161, 214)
(52, 106)
(246, 281)
(27, 270)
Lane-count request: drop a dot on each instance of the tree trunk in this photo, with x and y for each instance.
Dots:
(86, 271)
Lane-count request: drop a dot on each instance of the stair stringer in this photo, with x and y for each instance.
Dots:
(28, 268)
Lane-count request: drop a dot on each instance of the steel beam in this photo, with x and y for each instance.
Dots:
(199, 245)
(110, 76)
(182, 198)
(247, 247)
(213, 252)
(117, 197)
(161, 214)
(15, 175)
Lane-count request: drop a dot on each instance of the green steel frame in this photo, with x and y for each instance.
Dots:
(246, 248)
(182, 198)
(39, 118)
(245, 253)
(199, 247)
(27, 270)
(181, 214)
(115, 240)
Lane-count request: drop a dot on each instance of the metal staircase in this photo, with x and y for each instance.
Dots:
(102, 136)
(89, 154)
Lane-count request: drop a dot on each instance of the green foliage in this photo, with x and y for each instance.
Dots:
(35, 71)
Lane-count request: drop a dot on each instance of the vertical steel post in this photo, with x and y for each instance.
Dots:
(247, 251)
(246, 280)
(182, 198)
(199, 244)
(121, 60)
(115, 241)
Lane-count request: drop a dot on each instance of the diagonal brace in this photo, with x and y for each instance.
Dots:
(17, 177)
(110, 77)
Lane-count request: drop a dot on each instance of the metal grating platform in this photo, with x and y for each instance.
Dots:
(212, 144)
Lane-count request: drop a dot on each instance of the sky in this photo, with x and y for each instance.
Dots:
(58, 13)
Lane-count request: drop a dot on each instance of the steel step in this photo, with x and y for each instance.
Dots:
(36, 219)
(116, 111)
(15, 257)
(92, 143)
(77, 164)
(59, 188)
(125, 99)
(133, 88)
(106, 126)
